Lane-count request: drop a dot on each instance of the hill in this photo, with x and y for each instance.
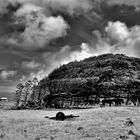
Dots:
(85, 82)
(106, 75)
(95, 66)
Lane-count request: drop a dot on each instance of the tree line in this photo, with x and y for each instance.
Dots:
(30, 94)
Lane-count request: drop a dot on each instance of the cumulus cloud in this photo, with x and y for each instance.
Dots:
(34, 25)
(67, 55)
(128, 38)
(39, 28)
(27, 9)
(7, 74)
(37, 70)
(31, 65)
(39, 75)
(118, 31)
(127, 42)
(56, 59)
(69, 6)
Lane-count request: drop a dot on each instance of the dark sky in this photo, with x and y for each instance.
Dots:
(37, 36)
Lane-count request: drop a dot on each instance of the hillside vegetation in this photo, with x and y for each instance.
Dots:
(97, 66)
(104, 75)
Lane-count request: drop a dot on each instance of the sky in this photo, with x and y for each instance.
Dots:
(37, 36)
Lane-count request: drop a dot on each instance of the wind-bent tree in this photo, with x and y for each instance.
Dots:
(34, 95)
(43, 90)
(27, 92)
(19, 91)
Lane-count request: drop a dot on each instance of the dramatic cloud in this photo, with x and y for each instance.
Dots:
(67, 55)
(27, 9)
(39, 75)
(41, 35)
(7, 74)
(128, 39)
(117, 30)
(69, 6)
(56, 59)
(126, 42)
(39, 29)
(34, 24)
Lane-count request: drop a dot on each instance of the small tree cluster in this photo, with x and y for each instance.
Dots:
(29, 94)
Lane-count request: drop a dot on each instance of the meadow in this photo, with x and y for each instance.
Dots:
(107, 123)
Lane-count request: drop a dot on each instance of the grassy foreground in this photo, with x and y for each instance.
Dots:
(93, 124)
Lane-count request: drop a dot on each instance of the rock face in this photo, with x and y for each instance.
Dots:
(104, 76)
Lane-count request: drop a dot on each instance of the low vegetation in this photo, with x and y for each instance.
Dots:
(110, 123)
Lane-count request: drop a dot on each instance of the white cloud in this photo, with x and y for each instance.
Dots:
(39, 75)
(66, 55)
(117, 30)
(27, 9)
(39, 28)
(69, 6)
(40, 69)
(128, 39)
(31, 65)
(7, 74)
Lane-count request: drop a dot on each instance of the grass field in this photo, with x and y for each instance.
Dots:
(93, 124)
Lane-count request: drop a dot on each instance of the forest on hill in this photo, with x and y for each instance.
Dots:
(104, 75)
(107, 75)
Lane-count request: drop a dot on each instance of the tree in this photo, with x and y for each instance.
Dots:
(35, 81)
(43, 88)
(27, 91)
(19, 91)
(34, 95)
